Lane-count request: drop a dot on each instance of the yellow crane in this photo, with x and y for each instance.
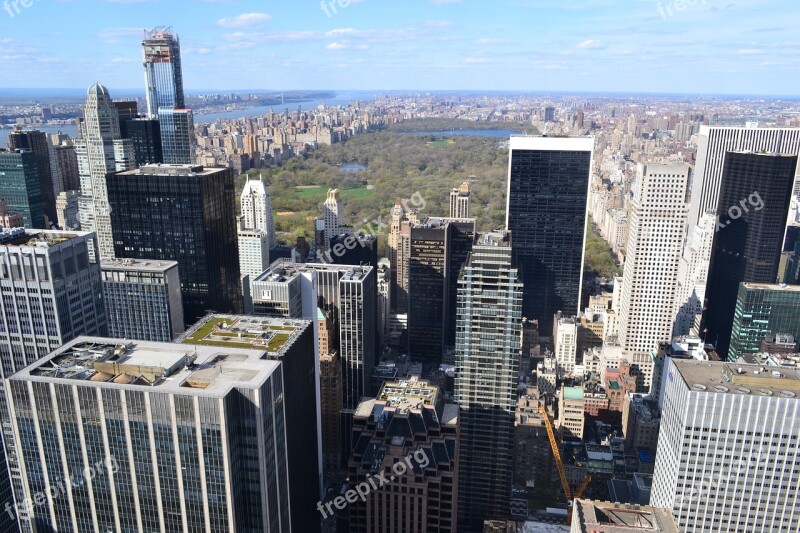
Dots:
(560, 465)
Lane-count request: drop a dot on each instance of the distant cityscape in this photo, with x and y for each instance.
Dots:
(178, 354)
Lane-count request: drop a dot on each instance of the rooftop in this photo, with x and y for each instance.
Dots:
(495, 238)
(168, 367)
(409, 394)
(37, 238)
(172, 170)
(138, 265)
(748, 380)
(282, 271)
(772, 287)
(605, 517)
(573, 393)
(273, 335)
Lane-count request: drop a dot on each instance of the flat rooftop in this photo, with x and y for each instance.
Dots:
(782, 287)
(558, 144)
(172, 170)
(167, 367)
(273, 335)
(748, 380)
(137, 265)
(408, 394)
(282, 271)
(34, 237)
(604, 517)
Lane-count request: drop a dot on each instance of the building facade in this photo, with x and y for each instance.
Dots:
(460, 202)
(142, 299)
(546, 211)
(763, 310)
(38, 144)
(256, 208)
(193, 223)
(726, 430)
(487, 352)
(22, 188)
(152, 436)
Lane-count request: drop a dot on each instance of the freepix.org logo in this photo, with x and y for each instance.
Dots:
(12, 7)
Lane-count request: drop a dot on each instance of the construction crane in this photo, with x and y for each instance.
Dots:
(560, 465)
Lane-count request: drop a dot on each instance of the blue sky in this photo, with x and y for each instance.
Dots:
(685, 46)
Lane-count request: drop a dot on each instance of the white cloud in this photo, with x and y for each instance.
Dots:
(590, 44)
(244, 20)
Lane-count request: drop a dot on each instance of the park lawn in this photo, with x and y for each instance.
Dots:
(320, 193)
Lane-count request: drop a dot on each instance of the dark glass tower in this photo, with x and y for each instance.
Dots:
(548, 186)
(146, 136)
(753, 206)
(21, 188)
(185, 214)
(36, 141)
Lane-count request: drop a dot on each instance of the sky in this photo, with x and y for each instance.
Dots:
(666, 46)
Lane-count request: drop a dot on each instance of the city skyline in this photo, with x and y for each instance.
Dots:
(651, 46)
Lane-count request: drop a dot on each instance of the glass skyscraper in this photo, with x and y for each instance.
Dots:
(21, 187)
(761, 310)
(165, 99)
(748, 245)
(487, 352)
(186, 214)
(548, 187)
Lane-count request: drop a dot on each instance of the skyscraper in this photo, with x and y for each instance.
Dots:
(257, 209)
(460, 202)
(51, 293)
(753, 206)
(36, 142)
(144, 436)
(762, 310)
(101, 151)
(162, 70)
(548, 186)
(145, 133)
(333, 215)
(425, 498)
(438, 249)
(727, 447)
(293, 343)
(397, 216)
(22, 188)
(142, 299)
(652, 257)
(192, 222)
(487, 364)
(165, 99)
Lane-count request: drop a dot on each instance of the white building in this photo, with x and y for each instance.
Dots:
(693, 276)
(333, 215)
(728, 447)
(101, 150)
(565, 338)
(67, 209)
(655, 244)
(460, 202)
(257, 210)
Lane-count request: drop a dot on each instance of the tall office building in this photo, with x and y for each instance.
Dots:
(384, 301)
(397, 216)
(438, 249)
(51, 293)
(293, 343)
(333, 215)
(164, 85)
(425, 498)
(346, 295)
(9, 219)
(256, 206)
(36, 142)
(763, 310)
(162, 70)
(67, 161)
(548, 187)
(144, 436)
(253, 252)
(353, 249)
(177, 136)
(652, 257)
(714, 142)
(22, 188)
(753, 206)
(145, 133)
(331, 404)
(487, 364)
(101, 151)
(727, 448)
(193, 222)
(565, 342)
(693, 277)
(68, 210)
(142, 299)
(460, 202)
